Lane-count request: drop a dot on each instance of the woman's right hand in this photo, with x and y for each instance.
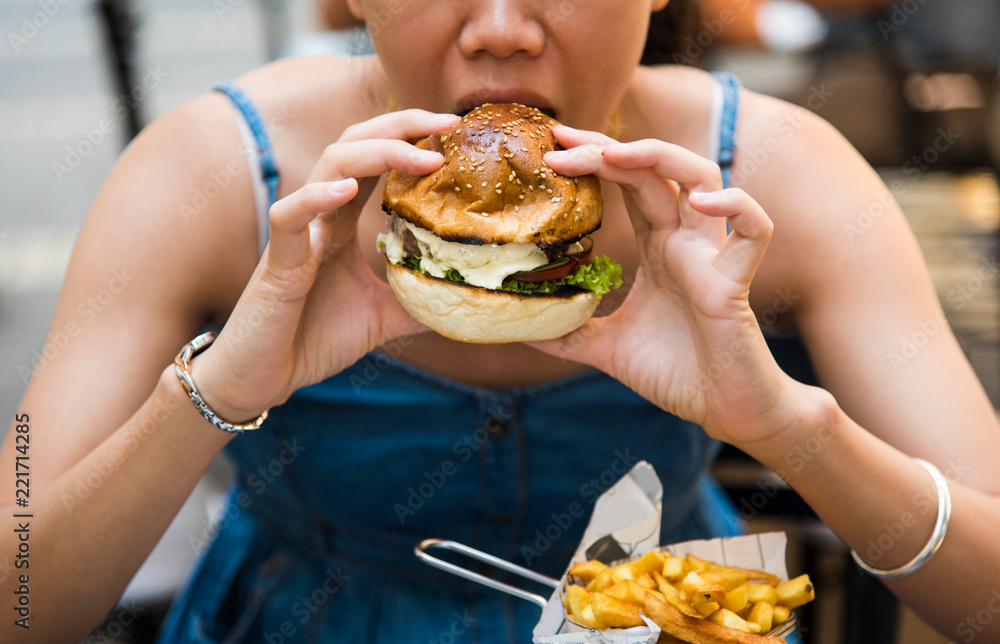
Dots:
(313, 306)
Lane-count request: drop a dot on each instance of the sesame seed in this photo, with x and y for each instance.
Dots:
(498, 185)
(468, 185)
(579, 209)
(484, 184)
(521, 197)
(499, 191)
(461, 167)
(458, 189)
(515, 208)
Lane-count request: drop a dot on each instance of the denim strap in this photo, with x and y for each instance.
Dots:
(727, 123)
(268, 167)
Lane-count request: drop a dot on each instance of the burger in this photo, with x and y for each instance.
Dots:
(494, 246)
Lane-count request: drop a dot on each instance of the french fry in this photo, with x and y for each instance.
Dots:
(646, 580)
(674, 569)
(730, 619)
(615, 612)
(762, 614)
(696, 564)
(623, 572)
(629, 591)
(674, 597)
(587, 618)
(649, 562)
(781, 615)
(707, 608)
(672, 622)
(578, 599)
(761, 593)
(600, 582)
(736, 598)
(795, 592)
(587, 570)
(700, 591)
(727, 577)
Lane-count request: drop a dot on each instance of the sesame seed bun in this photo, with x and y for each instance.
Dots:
(494, 187)
(483, 316)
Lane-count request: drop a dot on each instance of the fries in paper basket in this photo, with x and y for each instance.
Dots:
(690, 599)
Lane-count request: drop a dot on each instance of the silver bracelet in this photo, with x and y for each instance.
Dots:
(182, 367)
(940, 529)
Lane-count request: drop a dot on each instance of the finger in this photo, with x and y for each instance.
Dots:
(289, 243)
(570, 137)
(691, 172)
(744, 248)
(404, 125)
(652, 200)
(373, 157)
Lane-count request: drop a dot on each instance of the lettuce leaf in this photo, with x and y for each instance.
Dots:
(600, 275)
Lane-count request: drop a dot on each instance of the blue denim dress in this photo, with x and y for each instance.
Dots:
(332, 493)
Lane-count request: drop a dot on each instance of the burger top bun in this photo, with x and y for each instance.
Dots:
(494, 187)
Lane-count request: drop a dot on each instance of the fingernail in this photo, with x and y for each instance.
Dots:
(340, 186)
(446, 116)
(705, 197)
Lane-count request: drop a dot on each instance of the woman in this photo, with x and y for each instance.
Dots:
(483, 444)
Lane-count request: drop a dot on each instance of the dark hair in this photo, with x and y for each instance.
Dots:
(668, 30)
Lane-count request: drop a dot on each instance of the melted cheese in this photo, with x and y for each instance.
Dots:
(486, 265)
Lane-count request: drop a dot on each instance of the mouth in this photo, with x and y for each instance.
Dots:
(490, 95)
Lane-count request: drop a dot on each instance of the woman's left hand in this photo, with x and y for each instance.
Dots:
(685, 337)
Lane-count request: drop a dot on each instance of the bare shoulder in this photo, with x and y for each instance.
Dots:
(307, 102)
(828, 204)
(672, 103)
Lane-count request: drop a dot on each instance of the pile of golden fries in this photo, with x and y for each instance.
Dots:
(690, 599)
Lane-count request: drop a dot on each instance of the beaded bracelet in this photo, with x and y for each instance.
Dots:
(937, 536)
(182, 367)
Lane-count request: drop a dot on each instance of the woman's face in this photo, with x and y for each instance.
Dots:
(574, 57)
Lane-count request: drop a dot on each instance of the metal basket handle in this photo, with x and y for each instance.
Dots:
(420, 551)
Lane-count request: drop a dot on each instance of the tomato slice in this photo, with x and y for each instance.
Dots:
(560, 268)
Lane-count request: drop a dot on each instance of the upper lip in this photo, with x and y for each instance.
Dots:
(503, 95)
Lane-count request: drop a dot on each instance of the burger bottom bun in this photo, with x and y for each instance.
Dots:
(483, 316)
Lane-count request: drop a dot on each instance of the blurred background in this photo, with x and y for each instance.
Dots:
(913, 85)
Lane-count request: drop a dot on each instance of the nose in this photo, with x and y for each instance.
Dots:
(501, 28)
